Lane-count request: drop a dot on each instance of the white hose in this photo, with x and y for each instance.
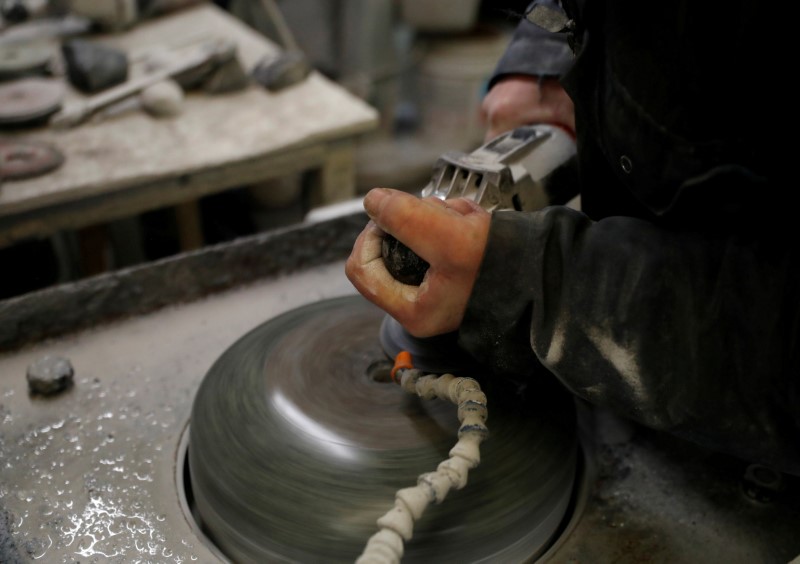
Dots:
(396, 526)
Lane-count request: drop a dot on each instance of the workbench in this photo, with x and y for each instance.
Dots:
(131, 162)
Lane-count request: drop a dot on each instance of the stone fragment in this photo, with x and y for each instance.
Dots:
(92, 67)
(50, 375)
(282, 71)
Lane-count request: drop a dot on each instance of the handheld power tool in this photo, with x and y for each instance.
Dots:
(524, 170)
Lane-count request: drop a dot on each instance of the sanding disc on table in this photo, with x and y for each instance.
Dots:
(296, 448)
(27, 159)
(23, 59)
(29, 100)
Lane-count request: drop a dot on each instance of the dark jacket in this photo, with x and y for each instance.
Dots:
(673, 297)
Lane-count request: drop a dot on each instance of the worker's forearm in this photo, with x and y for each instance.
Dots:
(680, 331)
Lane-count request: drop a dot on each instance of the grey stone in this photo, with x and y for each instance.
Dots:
(50, 375)
(92, 67)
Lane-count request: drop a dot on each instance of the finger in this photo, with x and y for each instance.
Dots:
(370, 243)
(436, 201)
(415, 222)
(367, 271)
(463, 206)
(455, 206)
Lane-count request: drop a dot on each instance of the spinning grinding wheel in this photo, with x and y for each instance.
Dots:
(297, 446)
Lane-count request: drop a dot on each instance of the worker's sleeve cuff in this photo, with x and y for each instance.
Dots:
(534, 51)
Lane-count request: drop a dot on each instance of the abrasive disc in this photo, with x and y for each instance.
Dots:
(24, 58)
(25, 159)
(28, 100)
(296, 448)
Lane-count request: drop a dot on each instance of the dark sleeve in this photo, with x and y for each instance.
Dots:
(534, 51)
(687, 332)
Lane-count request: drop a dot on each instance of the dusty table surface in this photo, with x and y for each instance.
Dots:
(218, 141)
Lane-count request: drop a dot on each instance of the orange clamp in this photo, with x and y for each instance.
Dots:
(402, 360)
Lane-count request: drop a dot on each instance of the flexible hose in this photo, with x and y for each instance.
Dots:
(397, 525)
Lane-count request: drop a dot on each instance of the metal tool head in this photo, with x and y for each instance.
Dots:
(509, 172)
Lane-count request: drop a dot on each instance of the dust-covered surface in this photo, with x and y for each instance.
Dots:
(656, 499)
(90, 475)
(121, 294)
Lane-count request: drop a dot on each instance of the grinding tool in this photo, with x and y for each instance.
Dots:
(26, 159)
(297, 446)
(28, 101)
(517, 170)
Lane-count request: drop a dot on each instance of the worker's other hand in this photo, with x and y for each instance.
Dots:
(524, 100)
(450, 235)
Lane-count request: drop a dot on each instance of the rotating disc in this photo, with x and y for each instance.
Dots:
(295, 450)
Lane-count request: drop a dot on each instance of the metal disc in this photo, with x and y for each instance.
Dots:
(26, 159)
(29, 100)
(296, 449)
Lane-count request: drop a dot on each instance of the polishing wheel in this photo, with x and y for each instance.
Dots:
(298, 444)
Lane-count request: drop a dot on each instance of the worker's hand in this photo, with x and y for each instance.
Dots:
(524, 100)
(450, 235)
